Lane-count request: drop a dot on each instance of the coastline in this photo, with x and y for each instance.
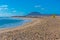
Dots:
(20, 27)
(46, 28)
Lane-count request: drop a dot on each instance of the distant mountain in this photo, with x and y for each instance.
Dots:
(40, 14)
(34, 14)
(37, 14)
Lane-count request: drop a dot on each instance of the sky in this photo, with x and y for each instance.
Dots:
(24, 7)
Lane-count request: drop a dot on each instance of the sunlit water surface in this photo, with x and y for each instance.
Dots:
(12, 22)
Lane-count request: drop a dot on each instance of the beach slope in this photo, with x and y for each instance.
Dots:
(45, 28)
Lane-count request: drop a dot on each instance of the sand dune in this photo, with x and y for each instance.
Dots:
(46, 28)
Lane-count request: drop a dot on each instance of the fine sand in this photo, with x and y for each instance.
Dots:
(44, 28)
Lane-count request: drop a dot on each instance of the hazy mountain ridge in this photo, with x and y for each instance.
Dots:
(36, 14)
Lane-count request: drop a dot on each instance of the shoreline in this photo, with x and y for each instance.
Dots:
(19, 27)
(47, 28)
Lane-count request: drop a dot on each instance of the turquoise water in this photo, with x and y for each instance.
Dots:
(12, 22)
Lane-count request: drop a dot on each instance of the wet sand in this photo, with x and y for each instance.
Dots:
(45, 28)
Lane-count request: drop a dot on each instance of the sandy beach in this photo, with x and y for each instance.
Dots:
(45, 28)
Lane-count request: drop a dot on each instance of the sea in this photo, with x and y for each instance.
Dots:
(12, 22)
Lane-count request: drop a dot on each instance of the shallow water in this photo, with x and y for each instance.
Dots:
(11, 22)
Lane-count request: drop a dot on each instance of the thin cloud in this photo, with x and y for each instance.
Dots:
(6, 11)
(14, 11)
(5, 14)
(21, 13)
(12, 8)
(4, 6)
(42, 8)
(0, 9)
(37, 6)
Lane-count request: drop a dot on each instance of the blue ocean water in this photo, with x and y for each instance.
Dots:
(12, 22)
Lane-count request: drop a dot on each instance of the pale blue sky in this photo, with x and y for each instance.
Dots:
(23, 7)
